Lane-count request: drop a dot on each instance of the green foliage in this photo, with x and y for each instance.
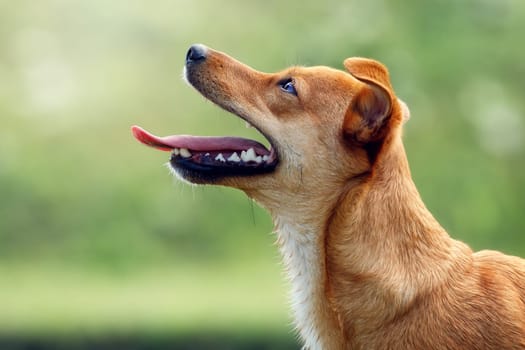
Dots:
(79, 194)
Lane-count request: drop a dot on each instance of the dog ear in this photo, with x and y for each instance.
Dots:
(371, 107)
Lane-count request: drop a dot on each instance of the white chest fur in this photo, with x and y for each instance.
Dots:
(301, 257)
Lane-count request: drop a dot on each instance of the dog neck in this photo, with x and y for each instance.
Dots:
(355, 268)
(303, 257)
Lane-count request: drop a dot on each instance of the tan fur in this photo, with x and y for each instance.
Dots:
(389, 276)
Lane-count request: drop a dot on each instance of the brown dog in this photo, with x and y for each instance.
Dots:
(369, 265)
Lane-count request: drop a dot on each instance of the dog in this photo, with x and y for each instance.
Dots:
(370, 267)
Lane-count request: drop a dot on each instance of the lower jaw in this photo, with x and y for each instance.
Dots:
(201, 174)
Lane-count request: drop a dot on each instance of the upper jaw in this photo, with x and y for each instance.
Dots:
(200, 75)
(210, 159)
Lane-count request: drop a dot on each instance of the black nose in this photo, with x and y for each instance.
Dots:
(196, 53)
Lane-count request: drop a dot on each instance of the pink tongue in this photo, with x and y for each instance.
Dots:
(197, 143)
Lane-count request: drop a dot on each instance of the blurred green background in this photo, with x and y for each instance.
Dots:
(101, 248)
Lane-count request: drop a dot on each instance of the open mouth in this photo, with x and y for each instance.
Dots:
(212, 157)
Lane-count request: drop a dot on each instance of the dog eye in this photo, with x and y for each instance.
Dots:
(287, 85)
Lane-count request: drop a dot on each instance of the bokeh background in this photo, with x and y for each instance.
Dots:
(100, 248)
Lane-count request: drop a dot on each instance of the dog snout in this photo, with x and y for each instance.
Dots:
(197, 53)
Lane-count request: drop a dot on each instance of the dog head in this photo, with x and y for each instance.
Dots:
(325, 127)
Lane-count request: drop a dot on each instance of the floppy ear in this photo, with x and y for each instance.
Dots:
(371, 107)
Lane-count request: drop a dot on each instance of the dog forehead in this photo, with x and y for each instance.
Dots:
(318, 73)
(323, 78)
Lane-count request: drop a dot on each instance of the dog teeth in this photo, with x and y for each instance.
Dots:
(220, 158)
(234, 158)
(246, 156)
(185, 153)
(249, 155)
(248, 125)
